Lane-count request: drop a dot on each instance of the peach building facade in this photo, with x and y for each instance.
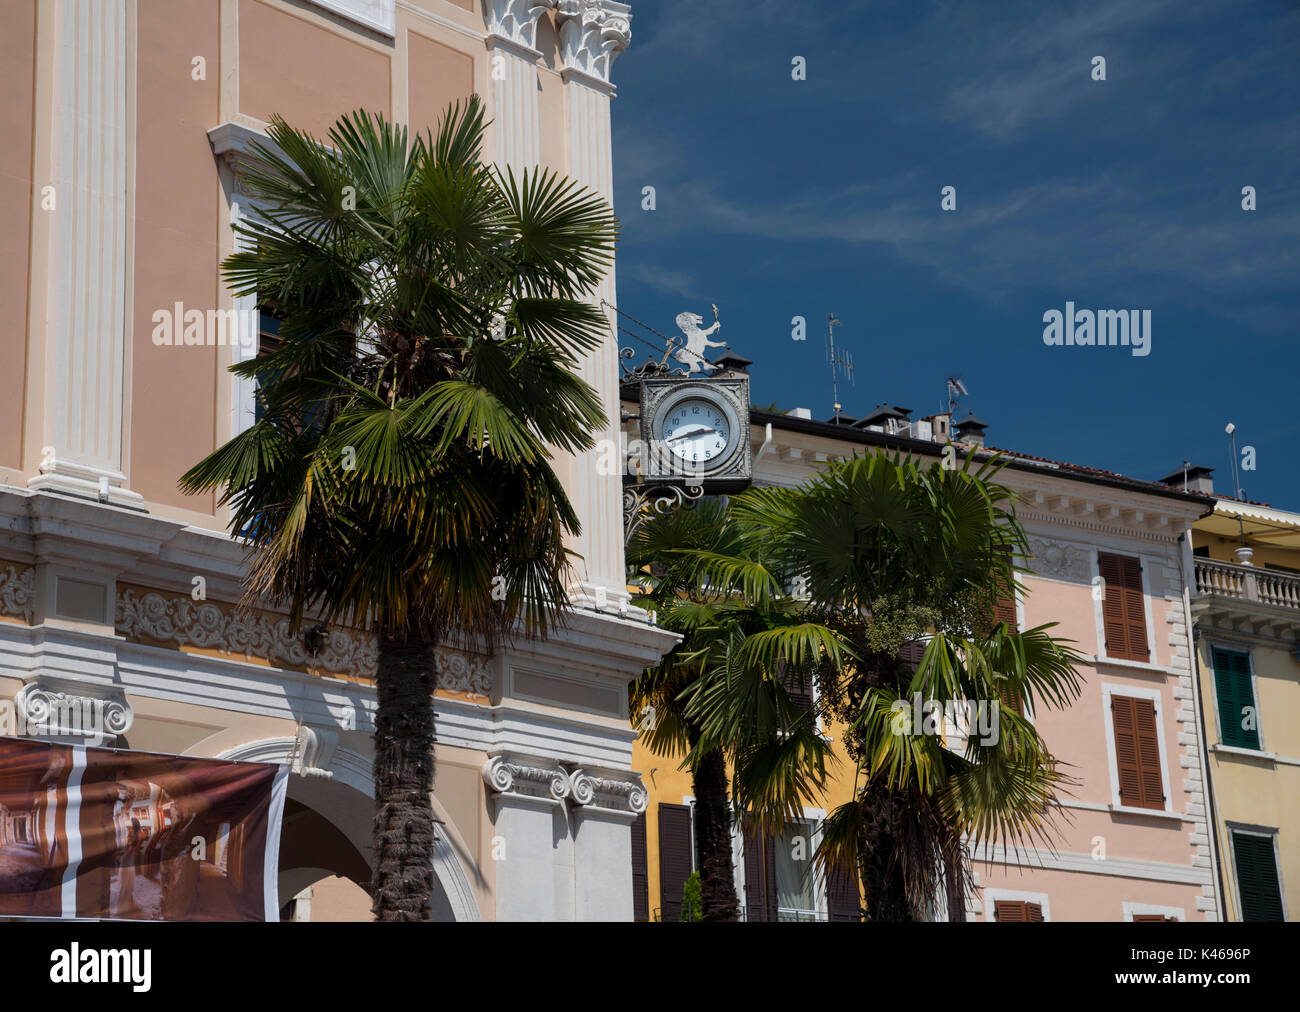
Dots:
(1134, 840)
(126, 119)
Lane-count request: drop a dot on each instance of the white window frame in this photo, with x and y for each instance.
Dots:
(1249, 829)
(1213, 643)
(991, 896)
(1146, 562)
(813, 819)
(1109, 689)
(1133, 909)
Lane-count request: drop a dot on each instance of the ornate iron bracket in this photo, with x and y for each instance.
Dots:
(641, 502)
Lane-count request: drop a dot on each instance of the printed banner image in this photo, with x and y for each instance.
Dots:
(108, 834)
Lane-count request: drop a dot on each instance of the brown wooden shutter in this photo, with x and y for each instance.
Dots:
(640, 871)
(1137, 752)
(911, 653)
(760, 875)
(842, 899)
(1017, 911)
(675, 863)
(800, 693)
(1123, 610)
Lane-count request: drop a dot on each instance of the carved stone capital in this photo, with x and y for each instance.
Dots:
(623, 793)
(592, 34)
(50, 707)
(515, 21)
(532, 778)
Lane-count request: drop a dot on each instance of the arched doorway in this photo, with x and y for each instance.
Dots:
(326, 838)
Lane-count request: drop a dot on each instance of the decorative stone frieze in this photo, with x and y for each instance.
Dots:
(206, 624)
(458, 672)
(17, 591)
(536, 778)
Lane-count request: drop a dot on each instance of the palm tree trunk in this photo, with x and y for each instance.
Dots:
(713, 839)
(403, 881)
(884, 883)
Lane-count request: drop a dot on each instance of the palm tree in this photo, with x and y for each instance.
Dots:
(898, 557)
(398, 478)
(742, 626)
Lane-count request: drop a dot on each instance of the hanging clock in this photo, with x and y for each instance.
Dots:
(697, 431)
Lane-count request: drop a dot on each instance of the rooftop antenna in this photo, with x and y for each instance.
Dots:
(1243, 553)
(956, 388)
(838, 361)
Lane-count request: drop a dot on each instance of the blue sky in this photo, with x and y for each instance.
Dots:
(777, 198)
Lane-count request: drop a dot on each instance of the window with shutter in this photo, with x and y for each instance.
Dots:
(843, 902)
(1017, 911)
(1137, 752)
(760, 875)
(675, 863)
(640, 871)
(1004, 608)
(1236, 697)
(1257, 879)
(1124, 620)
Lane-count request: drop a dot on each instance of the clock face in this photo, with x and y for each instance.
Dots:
(696, 430)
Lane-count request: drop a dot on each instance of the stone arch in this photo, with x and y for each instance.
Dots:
(345, 801)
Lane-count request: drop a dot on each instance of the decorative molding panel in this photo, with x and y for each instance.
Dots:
(18, 591)
(1059, 560)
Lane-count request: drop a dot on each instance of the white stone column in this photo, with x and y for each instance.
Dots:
(512, 69)
(605, 805)
(532, 847)
(87, 302)
(592, 34)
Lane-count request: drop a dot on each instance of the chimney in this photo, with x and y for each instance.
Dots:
(1191, 478)
(971, 430)
(940, 426)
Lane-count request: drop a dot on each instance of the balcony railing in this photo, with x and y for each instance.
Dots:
(1248, 583)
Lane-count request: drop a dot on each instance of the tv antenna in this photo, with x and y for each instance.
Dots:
(840, 361)
(956, 388)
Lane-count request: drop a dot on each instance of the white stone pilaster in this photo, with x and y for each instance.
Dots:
(532, 847)
(512, 69)
(86, 300)
(604, 806)
(592, 34)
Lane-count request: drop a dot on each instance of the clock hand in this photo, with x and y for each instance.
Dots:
(692, 432)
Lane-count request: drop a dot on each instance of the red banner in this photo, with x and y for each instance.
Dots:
(102, 833)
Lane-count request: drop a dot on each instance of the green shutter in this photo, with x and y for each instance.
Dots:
(1233, 688)
(1257, 883)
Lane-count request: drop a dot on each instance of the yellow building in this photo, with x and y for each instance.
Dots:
(1247, 613)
